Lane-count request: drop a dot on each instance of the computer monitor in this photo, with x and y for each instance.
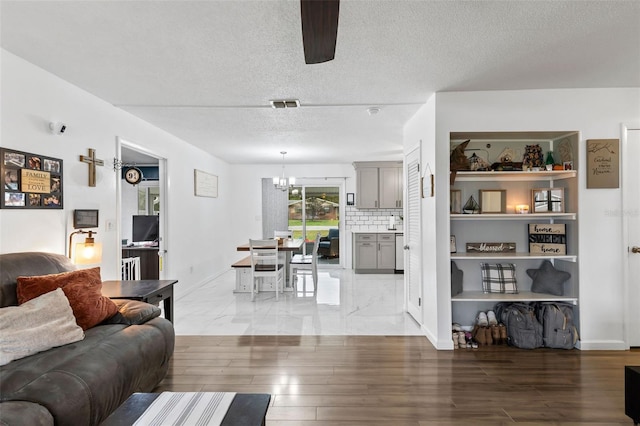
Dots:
(146, 228)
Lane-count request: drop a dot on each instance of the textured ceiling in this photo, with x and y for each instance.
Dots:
(206, 70)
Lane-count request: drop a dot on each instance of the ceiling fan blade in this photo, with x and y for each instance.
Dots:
(319, 29)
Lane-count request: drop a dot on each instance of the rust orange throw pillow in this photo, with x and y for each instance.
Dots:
(82, 288)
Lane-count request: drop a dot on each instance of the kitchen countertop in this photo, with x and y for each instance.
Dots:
(380, 231)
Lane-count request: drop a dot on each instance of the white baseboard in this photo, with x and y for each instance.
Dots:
(602, 345)
(438, 344)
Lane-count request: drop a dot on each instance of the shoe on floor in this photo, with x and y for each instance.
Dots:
(482, 319)
(491, 318)
(479, 335)
(462, 341)
(456, 327)
(487, 335)
(455, 339)
(495, 335)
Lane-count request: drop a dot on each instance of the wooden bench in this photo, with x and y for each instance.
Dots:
(243, 275)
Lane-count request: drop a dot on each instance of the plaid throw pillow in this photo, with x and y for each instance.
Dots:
(499, 278)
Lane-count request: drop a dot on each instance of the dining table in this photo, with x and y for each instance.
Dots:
(288, 246)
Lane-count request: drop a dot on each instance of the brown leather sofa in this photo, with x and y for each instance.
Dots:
(83, 382)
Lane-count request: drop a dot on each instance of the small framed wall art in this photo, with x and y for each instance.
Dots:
(31, 181)
(205, 184)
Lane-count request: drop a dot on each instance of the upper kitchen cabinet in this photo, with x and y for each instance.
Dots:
(378, 184)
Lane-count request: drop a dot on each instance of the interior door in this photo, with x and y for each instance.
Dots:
(631, 215)
(412, 273)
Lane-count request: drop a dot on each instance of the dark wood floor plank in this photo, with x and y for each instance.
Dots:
(403, 381)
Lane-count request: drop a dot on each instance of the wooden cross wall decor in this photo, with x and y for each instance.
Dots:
(92, 161)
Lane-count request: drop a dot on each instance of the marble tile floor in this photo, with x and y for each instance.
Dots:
(346, 304)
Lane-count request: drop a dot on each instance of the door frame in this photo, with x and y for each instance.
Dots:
(626, 195)
(415, 311)
(341, 184)
(164, 201)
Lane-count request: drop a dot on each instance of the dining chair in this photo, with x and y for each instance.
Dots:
(305, 264)
(265, 265)
(288, 234)
(131, 268)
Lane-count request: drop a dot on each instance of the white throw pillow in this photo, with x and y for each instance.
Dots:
(37, 325)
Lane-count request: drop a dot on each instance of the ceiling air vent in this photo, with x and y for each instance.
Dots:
(286, 103)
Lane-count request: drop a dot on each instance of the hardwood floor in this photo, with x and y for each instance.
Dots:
(398, 380)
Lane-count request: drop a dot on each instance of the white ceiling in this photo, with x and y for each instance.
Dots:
(206, 70)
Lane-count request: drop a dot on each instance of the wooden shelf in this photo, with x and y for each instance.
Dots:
(513, 216)
(510, 256)
(463, 176)
(523, 296)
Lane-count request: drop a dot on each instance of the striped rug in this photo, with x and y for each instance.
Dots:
(187, 408)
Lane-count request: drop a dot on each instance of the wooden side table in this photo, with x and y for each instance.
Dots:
(632, 392)
(149, 291)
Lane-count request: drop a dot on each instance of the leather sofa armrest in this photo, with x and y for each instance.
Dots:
(24, 413)
(133, 312)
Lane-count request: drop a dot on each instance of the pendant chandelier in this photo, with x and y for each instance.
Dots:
(281, 182)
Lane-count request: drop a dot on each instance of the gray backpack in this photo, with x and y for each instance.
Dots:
(559, 330)
(523, 328)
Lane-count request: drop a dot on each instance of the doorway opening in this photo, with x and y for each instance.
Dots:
(313, 209)
(142, 218)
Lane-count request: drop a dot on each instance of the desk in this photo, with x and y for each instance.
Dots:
(149, 261)
(288, 246)
(149, 291)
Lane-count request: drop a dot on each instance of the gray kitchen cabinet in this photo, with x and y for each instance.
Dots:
(367, 188)
(378, 184)
(374, 253)
(390, 187)
(387, 251)
(366, 251)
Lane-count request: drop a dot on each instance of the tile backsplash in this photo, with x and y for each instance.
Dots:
(370, 219)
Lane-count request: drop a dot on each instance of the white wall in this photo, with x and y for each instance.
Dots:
(596, 114)
(199, 227)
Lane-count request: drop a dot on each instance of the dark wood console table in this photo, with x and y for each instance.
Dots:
(149, 291)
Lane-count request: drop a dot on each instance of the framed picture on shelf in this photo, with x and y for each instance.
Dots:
(455, 205)
(547, 200)
(493, 201)
(452, 244)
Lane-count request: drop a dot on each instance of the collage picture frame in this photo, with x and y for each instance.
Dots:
(31, 181)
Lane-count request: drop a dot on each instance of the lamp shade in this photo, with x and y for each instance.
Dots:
(87, 253)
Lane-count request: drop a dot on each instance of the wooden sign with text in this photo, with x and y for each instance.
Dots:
(491, 247)
(603, 163)
(547, 238)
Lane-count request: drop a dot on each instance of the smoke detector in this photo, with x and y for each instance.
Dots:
(285, 103)
(373, 110)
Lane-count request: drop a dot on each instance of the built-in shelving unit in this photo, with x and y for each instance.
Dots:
(511, 226)
(492, 176)
(513, 216)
